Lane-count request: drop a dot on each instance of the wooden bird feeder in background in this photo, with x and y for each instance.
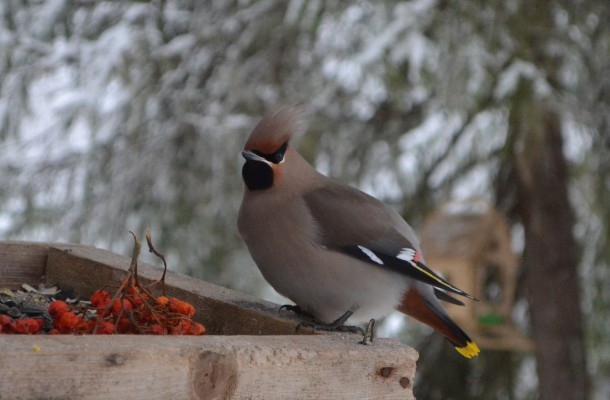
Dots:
(469, 243)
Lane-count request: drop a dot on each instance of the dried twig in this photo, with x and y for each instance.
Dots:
(133, 267)
(132, 274)
(152, 249)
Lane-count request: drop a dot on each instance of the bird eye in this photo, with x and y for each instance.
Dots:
(276, 157)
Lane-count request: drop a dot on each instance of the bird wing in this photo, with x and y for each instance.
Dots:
(361, 226)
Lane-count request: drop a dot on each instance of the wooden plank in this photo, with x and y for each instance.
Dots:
(82, 270)
(22, 262)
(208, 367)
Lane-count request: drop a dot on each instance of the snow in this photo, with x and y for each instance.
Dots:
(376, 47)
(347, 74)
(295, 8)
(178, 46)
(520, 69)
(577, 141)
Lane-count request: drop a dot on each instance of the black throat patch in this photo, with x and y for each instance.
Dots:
(257, 175)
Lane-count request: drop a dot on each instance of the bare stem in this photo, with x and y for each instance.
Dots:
(152, 249)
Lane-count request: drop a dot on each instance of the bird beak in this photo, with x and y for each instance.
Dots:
(250, 156)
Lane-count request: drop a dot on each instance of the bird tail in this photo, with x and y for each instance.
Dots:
(429, 312)
(470, 350)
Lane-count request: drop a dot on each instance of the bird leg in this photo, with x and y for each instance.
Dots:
(369, 332)
(336, 325)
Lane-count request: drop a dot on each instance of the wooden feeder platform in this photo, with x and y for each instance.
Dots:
(251, 350)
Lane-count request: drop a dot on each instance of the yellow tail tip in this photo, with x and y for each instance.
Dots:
(470, 350)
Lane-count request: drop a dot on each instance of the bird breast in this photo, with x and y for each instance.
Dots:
(284, 242)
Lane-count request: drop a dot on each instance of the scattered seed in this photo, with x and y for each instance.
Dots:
(13, 312)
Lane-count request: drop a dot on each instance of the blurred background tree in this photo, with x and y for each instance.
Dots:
(124, 115)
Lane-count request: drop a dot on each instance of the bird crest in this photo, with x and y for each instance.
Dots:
(274, 130)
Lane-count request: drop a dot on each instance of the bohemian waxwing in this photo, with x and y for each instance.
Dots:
(332, 249)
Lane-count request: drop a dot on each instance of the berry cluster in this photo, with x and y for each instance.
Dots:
(22, 325)
(133, 309)
(134, 312)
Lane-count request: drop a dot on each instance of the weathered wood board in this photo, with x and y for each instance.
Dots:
(207, 367)
(252, 351)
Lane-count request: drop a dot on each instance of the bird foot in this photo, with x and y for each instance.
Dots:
(335, 326)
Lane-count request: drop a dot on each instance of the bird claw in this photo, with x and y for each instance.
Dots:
(295, 309)
(291, 307)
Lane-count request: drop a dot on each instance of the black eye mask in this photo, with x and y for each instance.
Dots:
(276, 157)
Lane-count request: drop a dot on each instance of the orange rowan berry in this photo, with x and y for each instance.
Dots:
(124, 325)
(57, 308)
(40, 323)
(67, 322)
(104, 328)
(20, 326)
(156, 329)
(161, 301)
(181, 307)
(136, 300)
(84, 326)
(133, 290)
(100, 298)
(34, 325)
(5, 320)
(117, 307)
(196, 329)
(26, 325)
(181, 327)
